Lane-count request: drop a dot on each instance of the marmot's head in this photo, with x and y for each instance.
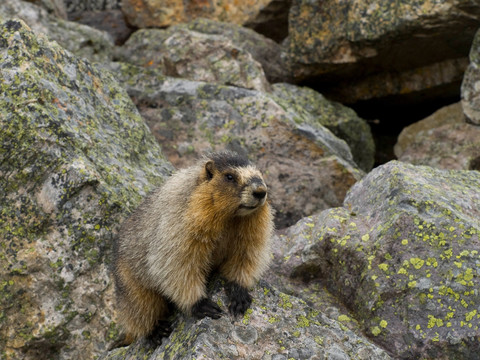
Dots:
(235, 186)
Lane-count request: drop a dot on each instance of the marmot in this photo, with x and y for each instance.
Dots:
(213, 215)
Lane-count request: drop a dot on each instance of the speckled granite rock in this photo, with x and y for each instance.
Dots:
(306, 167)
(403, 255)
(377, 44)
(75, 155)
(339, 119)
(265, 51)
(83, 41)
(277, 326)
(471, 84)
(188, 54)
(153, 13)
(444, 140)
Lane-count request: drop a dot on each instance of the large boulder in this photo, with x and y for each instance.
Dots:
(384, 46)
(75, 156)
(471, 84)
(443, 140)
(184, 53)
(277, 326)
(153, 13)
(307, 168)
(402, 254)
(339, 119)
(83, 41)
(208, 50)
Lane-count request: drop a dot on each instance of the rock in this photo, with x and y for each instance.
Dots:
(402, 255)
(277, 326)
(75, 157)
(82, 40)
(111, 21)
(443, 140)
(340, 120)
(152, 13)
(306, 167)
(74, 6)
(471, 84)
(181, 52)
(380, 43)
(56, 7)
(265, 51)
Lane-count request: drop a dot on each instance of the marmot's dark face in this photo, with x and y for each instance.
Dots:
(236, 188)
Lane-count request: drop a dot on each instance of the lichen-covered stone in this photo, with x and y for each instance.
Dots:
(306, 167)
(265, 51)
(471, 84)
(83, 41)
(75, 156)
(277, 326)
(153, 13)
(403, 255)
(375, 46)
(184, 53)
(444, 140)
(340, 120)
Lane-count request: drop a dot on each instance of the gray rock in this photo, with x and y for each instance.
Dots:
(83, 41)
(340, 120)
(306, 167)
(277, 326)
(90, 5)
(374, 46)
(75, 157)
(402, 255)
(265, 51)
(184, 53)
(471, 84)
(443, 140)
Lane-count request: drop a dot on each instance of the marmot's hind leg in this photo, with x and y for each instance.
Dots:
(140, 309)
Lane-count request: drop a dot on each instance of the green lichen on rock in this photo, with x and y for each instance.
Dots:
(272, 330)
(339, 119)
(75, 156)
(403, 255)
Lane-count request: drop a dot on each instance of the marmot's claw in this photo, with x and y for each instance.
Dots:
(206, 307)
(163, 328)
(240, 299)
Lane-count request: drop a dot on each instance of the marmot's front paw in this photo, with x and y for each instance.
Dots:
(240, 299)
(206, 307)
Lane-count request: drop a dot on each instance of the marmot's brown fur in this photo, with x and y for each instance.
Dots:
(213, 215)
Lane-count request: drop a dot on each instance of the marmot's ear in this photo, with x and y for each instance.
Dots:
(209, 166)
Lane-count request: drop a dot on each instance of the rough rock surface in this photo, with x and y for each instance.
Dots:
(348, 39)
(75, 155)
(471, 84)
(184, 53)
(91, 5)
(443, 140)
(403, 255)
(56, 7)
(306, 167)
(82, 40)
(277, 326)
(340, 120)
(111, 21)
(153, 13)
(265, 51)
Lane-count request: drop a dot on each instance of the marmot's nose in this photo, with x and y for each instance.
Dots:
(259, 194)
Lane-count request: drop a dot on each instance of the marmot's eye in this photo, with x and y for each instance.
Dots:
(229, 177)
